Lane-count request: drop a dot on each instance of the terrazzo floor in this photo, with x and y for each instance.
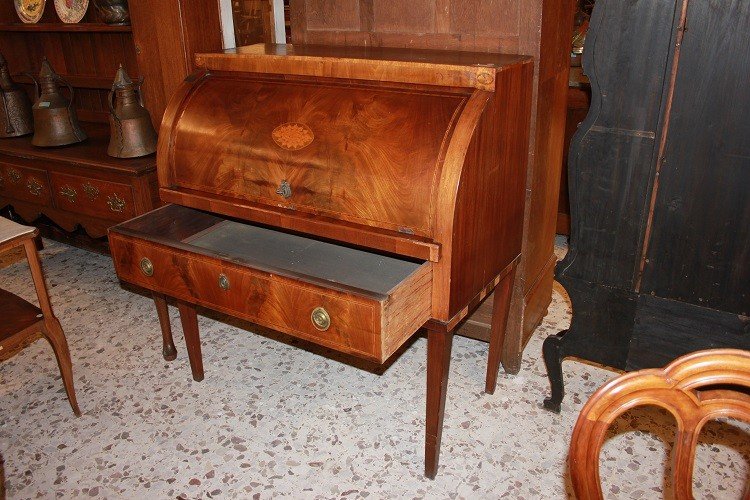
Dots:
(271, 419)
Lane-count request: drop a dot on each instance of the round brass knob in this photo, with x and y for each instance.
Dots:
(223, 282)
(147, 267)
(320, 319)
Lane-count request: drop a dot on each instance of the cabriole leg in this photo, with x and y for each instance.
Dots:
(553, 350)
(168, 349)
(53, 332)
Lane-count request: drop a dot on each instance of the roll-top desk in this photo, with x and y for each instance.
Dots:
(345, 196)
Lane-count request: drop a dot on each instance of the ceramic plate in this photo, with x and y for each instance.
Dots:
(30, 11)
(71, 11)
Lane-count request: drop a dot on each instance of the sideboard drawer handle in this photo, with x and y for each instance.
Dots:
(147, 267)
(91, 191)
(223, 282)
(70, 193)
(320, 319)
(14, 176)
(34, 186)
(116, 204)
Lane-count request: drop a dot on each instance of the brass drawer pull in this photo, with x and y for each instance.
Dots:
(34, 187)
(92, 192)
(69, 193)
(147, 267)
(320, 319)
(14, 176)
(116, 204)
(223, 282)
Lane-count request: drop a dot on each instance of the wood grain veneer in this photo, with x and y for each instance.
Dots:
(364, 323)
(538, 28)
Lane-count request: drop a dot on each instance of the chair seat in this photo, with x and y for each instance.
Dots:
(17, 314)
(10, 230)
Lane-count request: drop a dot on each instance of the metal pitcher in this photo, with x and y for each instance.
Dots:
(55, 119)
(131, 131)
(15, 107)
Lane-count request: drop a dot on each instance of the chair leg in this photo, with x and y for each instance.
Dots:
(500, 309)
(52, 329)
(168, 349)
(54, 334)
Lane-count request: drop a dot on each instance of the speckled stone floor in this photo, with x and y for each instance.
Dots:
(273, 419)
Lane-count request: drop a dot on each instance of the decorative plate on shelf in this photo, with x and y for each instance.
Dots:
(71, 11)
(30, 11)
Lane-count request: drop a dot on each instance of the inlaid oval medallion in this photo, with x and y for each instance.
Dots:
(292, 136)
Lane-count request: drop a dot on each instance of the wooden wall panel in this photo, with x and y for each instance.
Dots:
(493, 18)
(167, 35)
(539, 28)
(388, 17)
(339, 15)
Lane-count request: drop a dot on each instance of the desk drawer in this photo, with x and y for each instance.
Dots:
(82, 195)
(362, 324)
(23, 183)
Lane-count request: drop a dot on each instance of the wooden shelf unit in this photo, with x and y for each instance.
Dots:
(159, 46)
(66, 28)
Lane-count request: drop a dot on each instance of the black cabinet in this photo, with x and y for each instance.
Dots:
(659, 175)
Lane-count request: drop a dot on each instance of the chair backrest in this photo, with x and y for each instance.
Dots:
(695, 389)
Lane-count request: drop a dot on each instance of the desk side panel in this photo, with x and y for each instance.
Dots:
(488, 220)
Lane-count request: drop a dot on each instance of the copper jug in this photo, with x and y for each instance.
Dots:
(15, 107)
(131, 131)
(55, 119)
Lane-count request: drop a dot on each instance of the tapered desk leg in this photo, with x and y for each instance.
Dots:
(438, 365)
(168, 349)
(500, 310)
(189, 320)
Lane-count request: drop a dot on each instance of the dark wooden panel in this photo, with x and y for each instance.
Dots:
(659, 184)
(702, 210)
(607, 208)
(613, 150)
(666, 329)
(579, 100)
(602, 323)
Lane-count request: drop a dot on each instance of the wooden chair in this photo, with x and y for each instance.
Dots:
(22, 320)
(695, 389)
